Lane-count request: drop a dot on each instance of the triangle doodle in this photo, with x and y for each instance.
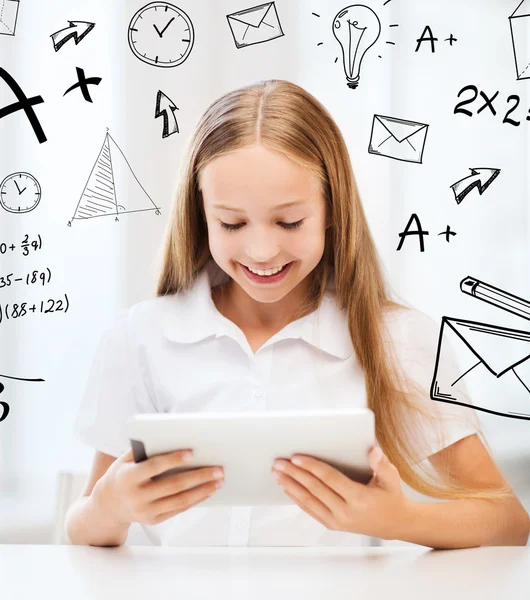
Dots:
(112, 187)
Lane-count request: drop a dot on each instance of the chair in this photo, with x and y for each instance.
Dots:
(70, 485)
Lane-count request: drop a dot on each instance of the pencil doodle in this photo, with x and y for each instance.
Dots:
(488, 104)
(520, 30)
(83, 83)
(398, 139)
(76, 30)
(161, 35)
(165, 107)
(19, 193)
(8, 16)
(357, 28)
(255, 25)
(5, 405)
(110, 174)
(23, 103)
(496, 297)
(480, 178)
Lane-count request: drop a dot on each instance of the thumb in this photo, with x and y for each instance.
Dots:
(386, 475)
(127, 456)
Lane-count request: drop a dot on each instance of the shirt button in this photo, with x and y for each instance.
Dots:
(257, 393)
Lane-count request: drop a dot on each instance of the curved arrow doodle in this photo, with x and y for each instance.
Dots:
(77, 30)
(462, 188)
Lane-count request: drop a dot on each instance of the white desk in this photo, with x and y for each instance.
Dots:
(139, 572)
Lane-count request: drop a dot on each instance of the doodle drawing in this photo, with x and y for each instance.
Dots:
(479, 178)
(496, 297)
(76, 30)
(357, 29)
(112, 187)
(4, 406)
(398, 139)
(165, 107)
(492, 356)
(83, 83)
(520, 29)
(496, 358)
(19, 193)
(8, 16)
(255, 25)
(161, 35)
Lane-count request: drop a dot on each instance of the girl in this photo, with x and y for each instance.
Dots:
(271, 296)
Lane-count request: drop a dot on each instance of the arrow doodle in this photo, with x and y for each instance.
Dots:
(462, 188)
(77, 30)
(166, 107)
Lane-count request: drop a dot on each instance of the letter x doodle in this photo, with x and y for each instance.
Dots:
(82, 84)
(24, 103)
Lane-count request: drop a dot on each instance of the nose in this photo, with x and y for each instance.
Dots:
(262, 246)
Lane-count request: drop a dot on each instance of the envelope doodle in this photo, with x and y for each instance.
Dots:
(496, 359)
(255, 25)
(520, 29)
(398, 139)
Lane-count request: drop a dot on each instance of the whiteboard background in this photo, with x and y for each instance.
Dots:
(105, 266)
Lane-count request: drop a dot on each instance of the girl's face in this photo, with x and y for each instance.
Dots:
(244, 190)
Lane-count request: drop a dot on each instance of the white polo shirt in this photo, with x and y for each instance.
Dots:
(178, 353)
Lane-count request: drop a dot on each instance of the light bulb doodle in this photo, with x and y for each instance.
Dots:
(4, 406)
(357, 28)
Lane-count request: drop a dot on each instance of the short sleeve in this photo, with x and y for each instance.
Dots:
(414, 338)
(114, 392)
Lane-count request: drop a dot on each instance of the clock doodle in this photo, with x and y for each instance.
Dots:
(19, 193)
(160, 34)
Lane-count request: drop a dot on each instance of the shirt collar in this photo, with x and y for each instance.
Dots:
(192, 316)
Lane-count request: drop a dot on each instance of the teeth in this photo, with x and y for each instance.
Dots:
(266, 273)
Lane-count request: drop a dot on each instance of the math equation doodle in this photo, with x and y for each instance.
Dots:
(111, 176)
(490, 102)
(4, 405)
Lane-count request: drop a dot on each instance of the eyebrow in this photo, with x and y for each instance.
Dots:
(284, 205)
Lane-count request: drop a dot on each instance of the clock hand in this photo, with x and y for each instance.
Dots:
(162, 32)
(20, 192)
(157, 30)
(17, 186)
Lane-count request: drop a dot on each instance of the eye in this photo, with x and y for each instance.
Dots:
(232, 227)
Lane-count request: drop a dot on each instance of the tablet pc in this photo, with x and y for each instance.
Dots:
(247, 443)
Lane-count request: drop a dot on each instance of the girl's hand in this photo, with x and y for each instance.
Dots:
(127, 492)
(375, 509)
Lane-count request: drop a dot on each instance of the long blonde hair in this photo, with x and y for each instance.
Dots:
(284, 117)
